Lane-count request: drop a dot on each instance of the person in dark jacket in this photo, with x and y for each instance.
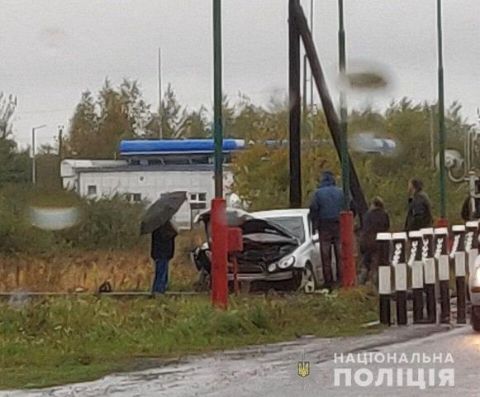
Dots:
(419, 213)
(162, 250)
(471, 209)
(376, 220)
(325, 208)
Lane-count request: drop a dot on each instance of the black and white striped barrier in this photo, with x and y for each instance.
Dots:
(471, 248)
(399, 265)
(441, 254)
(416, 264)
(430, 274)
(429, 260)
(384, 277)
(458, 254)
(471, 244)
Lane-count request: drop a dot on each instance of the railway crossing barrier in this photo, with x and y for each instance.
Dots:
(421, 263)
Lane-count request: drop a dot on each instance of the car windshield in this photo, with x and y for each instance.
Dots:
(294, 224)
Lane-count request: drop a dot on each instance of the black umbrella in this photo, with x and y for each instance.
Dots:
(162, 211)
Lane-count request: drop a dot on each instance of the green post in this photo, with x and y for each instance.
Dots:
(217, 97)
(441, 113)
(343, 110)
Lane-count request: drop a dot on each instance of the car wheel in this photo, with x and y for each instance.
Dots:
(476, 318)
(309, 283)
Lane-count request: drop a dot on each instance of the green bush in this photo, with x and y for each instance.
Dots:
(104, 224)
(107, 223)
(16, 232)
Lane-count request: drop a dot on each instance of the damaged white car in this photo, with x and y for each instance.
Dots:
(280, 251)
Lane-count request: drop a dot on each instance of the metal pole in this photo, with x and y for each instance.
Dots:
(217, 94)
(295, 110)
(218, 211)
(34, 167)
(328, 107)
(441, 112)
(432, 136)
(311, 75)
(343, 109)
(346, 216)
(160, 94)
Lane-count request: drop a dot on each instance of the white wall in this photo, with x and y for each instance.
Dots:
(150, 184)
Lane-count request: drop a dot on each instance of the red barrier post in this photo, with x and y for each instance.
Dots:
(442, 222)
(219, 253)
(349, 273)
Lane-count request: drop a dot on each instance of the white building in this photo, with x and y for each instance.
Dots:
(95, 179)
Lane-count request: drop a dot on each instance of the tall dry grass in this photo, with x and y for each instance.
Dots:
(75, 271)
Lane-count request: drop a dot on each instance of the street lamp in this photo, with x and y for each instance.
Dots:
(34, 165)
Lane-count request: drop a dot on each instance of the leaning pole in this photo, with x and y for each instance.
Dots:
(331, 116)
(298, 23)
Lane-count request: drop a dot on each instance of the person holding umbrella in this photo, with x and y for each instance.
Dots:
(162, 251)
(158, 221)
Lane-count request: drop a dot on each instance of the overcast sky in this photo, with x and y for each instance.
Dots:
(52, 50)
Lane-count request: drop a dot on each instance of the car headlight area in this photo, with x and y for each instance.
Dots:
(286, 263)
(272, 267)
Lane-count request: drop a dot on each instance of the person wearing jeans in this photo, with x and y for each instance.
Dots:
(162, 250)
(325, 209)
(160, 281)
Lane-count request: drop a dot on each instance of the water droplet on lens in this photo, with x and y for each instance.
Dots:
(54, 218)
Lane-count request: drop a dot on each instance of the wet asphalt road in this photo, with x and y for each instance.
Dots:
(271, 371)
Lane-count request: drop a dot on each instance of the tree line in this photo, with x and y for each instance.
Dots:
(101, 120)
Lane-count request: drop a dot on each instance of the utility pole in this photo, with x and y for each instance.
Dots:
(295, 110)
(441, 115)
(432, 136)
(60, 142)
(60, 150)
(160, 94)
(34, 162)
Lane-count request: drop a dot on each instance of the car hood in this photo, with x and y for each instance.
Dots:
(264, 242)
(256, 229)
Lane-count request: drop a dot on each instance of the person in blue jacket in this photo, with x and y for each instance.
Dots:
(325, 208)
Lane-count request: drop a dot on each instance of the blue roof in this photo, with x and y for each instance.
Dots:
(176, 146)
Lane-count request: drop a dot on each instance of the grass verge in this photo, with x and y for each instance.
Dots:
(55, 341)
